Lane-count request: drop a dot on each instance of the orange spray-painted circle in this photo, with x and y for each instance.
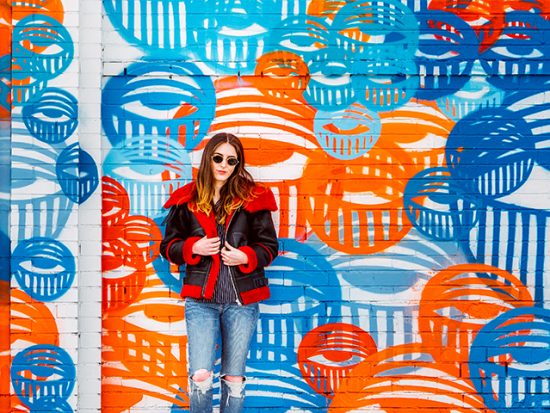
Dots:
(115, 202)
(144, 350)
(425, 141)
(328, 353)
(458, 301)
(281, 74)
(128, 248)
(31, 321)
(406, 379)
(356, 206)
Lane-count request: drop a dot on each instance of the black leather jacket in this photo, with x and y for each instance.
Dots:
(249, 228)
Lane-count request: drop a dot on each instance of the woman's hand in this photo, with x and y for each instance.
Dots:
(206, 246)
(233, 256)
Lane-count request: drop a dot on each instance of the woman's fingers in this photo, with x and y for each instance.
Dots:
(213, 245)
(208, 246)
(233, 256)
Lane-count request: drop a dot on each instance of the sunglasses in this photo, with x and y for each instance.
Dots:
(231, 160)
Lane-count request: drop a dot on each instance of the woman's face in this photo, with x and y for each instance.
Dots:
(221, 171)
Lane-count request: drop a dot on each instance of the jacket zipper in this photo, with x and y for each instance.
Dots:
(232, 276)
(234, 287)
(206, 279)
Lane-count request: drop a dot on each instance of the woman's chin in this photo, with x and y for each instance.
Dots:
(221, 179)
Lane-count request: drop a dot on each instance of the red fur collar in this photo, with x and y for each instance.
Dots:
(181, 195)
(263, 198)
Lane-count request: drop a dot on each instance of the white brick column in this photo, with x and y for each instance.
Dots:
(89, 217)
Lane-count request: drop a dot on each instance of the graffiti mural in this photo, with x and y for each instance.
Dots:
(5, 141)
(406, 143)
(45, 176)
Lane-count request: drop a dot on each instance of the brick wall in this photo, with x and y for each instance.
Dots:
(407, 146)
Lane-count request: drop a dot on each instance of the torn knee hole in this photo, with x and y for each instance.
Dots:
(201, 381)
(235, 385)
(201, 375)
(234, 379)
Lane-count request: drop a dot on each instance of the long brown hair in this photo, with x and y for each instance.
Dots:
(237, 189)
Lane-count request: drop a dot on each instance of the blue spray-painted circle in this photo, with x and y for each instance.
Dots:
(53, 117)
(44, 268)
(513, 348)
(42, 371)
(77, 173)
(490, 152)
(168, 99)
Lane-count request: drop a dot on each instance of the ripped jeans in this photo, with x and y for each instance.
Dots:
(205, 322)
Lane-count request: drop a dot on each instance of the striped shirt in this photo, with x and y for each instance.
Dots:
(224, 292)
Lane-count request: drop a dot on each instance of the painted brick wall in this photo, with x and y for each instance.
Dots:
(406, 143)
(40, 92)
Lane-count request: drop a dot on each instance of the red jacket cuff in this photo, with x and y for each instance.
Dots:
(252, 260)
(188, 256)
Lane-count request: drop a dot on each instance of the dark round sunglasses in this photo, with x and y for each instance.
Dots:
(231, 160)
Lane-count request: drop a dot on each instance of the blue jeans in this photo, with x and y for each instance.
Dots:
(205, 323)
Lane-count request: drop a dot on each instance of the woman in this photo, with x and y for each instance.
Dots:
(220, 227)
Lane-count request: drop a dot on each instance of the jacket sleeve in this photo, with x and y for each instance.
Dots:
(263, 246)
(176, 245)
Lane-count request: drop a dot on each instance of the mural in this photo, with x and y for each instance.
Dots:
(403, 141)
(45, 176)
(5, 132)
(406, 143)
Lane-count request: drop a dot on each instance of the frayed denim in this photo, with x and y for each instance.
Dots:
(206, 322)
